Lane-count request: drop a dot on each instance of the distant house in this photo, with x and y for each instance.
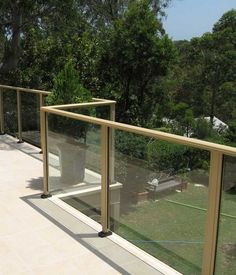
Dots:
(218, 124)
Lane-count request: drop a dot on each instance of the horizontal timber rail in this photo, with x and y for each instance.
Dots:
(144, 131)
(25, 90)
(5, 89)
(97, 102)
(18, 90)
(217, 152)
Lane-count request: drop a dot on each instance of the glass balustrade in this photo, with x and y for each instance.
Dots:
(74, 163)
(10, 111)
(226, 247)
(96, 111)
(158, 198)
(30, 116)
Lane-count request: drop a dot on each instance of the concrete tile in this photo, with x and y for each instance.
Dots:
(61, 268)
(11, 264)
(41, 257)
(24, 242)
(10, 225)
(31, 243)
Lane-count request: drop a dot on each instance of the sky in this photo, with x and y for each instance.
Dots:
(190, 18)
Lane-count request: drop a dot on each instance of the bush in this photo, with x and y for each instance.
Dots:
(231, 132)
(162, 155)
(203, 129)
(68, 89)
(132, 145)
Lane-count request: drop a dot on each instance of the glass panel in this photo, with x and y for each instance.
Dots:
(93, 158)
(10, 111)
(74, 163)
(159, 197)
(98, 111)
(226, 248)
(30, 118)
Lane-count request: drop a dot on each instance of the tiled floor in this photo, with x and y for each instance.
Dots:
(39, 237)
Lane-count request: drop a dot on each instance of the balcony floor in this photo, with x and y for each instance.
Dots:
(40, 236)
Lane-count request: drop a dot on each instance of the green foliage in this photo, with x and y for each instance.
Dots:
(227, 21)
(202, 129)
(135, 54)
(207, 65)
(67, 87)
(131, 145)
(184, 119)
(120, 51)
(68, 90)
(19, 18)
(231, 132)
(163, 155)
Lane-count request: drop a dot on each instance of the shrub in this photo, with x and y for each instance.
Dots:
(132, 145)
(162, 155)
(68, 89)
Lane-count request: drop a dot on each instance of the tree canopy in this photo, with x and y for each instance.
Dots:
(120, 51)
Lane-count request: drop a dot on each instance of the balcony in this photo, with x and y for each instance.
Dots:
(157, 216)
(44, 236)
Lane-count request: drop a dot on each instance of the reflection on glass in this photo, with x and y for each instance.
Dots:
(74, 163)
(30, 117)
(98, 111)
(226, 248)
(162, 188)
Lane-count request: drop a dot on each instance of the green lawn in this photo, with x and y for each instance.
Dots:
(172, 228)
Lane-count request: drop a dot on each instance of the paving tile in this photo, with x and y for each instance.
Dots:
(11, 264)
(38, 237)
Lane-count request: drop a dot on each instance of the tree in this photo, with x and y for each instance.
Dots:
(206, 71)
(135, 54)
(226, 22)
(184, 119)
(101, 13)
(18, 17)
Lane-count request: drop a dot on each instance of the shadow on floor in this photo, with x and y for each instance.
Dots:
(10, 143)
(4, 146)
(35, 184)
(40, 206)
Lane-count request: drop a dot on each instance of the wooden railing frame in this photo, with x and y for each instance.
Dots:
(217, 152)
(215, 176)
(18, 91)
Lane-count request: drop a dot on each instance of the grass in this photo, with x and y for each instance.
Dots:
(172, 229)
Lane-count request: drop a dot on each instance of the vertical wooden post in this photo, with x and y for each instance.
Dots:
(105, 182)
(44, 144)
(41, 101)
(41, 104)
(112, 144)
(212, 218)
